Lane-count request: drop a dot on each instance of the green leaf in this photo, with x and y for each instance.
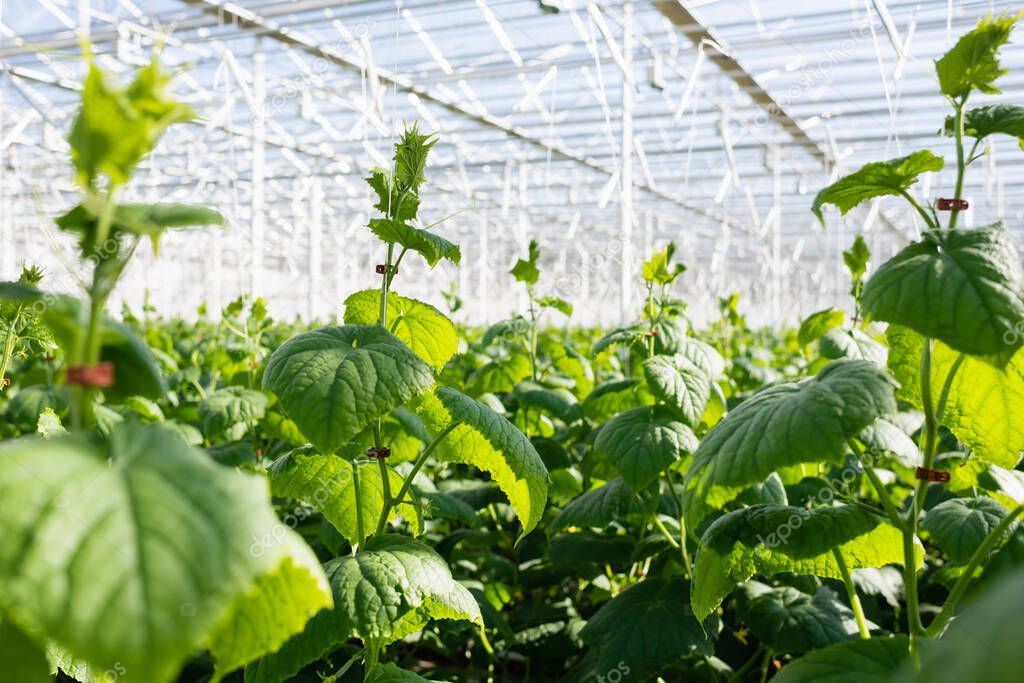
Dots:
(19, 292)
(852, 344)
(599, 507)
(790, 621)
(327, 483)
(973, 63)
(116, 127)
(876, 179)
(964, 287)
(525, 270)
(137, 219)
(992, 119)
(817, 324)
(680, 385)
(642, 442)
(513, 329)
(411, 158)
(984, 403)
(429, 245)
(855, 661)
(856, 259)
(767, 539)
(163, 544)
(333, 381)
(491, 443)
(28, 405)
(273, 611)
(959, 525)
(21, 659)
(225, 408)
(420, 326)
(615, 397)
(499, 376)
(978, 645)
(391, 588)
(884, 437)
(560, 403)
(660, 268)
(786, 424)
(558, 304)
(389, 673)
(703, 355)
(645, 629)
(388, 195)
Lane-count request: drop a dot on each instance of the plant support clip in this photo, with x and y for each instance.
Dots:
(956, 204)
(99, 376)
(937, 476)
(378, 453)
(381, 269)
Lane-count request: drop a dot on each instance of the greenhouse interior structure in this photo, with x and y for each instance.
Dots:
(385, 341)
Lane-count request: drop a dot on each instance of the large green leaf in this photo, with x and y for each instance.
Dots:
(646, 627)
(429, 245)
(984, 403)
(605, 504)
(703, 355)
(616, 396)
(790, 621)
(973, 63)
(992, 119)
(491, 443)
(558, 402)
(328, 483)
(333, 381)
(391, 588)
(964, 287)
(229, 407)
(959, 525)
(817, 324)
(766, 539)
(422, 328)
(877, 179)
(142, 561)
(27, 405)
(855, 661)
(389, 673)
(851, 344)
(274, 610)
(980, 644)
(642, 442)
(21, 659)
(679, 384)
(783, 425)
(500, 375)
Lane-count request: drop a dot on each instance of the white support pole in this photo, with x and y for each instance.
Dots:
(259, 132)
(626, 173)
(483, 271)
(776, 235)
(315, 277)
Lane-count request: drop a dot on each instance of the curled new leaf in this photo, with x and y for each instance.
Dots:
(876, 179)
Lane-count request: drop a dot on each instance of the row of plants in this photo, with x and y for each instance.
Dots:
(394, 497)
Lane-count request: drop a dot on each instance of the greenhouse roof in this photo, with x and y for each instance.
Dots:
(603, 129)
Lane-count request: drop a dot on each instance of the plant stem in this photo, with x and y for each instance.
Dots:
(961, 166)
(533, 336)
(417, 466)
(851, 593)
(665, 532)
(359, 504)
(750, 664)
(9, 341)
(929, 221)
(961, 585)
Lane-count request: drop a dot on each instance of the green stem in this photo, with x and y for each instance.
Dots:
(750, 664)
(359, 504)
(851, 593)
(665, 532)
(9, 341)
(533, 336)
(961, 166)
(929, 221)
(417, 466)
(964, 582)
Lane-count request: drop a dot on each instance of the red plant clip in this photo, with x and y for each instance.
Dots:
(952, 204)
(381, 269)
(379, 453)
(7, 382)
(99, 376)
(931, 475)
